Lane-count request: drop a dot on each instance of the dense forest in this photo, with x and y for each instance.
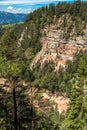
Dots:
(17, 111)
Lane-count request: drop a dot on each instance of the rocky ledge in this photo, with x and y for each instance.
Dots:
(57, 49)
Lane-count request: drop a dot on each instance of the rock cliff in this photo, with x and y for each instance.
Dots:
(58, 49)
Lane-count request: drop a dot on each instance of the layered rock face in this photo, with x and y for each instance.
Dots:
(57, 49)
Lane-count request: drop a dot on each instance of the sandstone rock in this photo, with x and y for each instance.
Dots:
(56, 48)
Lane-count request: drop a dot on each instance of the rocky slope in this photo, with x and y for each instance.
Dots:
(57, 49)
(42, 100)
(49, 100)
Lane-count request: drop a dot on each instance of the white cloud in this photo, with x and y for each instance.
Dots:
(10, 8)
(31, 2)
(18, 10)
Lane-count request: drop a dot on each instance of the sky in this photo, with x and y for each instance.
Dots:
(25, 6)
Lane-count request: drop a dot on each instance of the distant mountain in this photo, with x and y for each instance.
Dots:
(6, 17)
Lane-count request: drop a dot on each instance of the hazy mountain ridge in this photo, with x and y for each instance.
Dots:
(6, 17)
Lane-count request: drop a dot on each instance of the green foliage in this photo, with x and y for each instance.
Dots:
(2, 30)
(7, 42)
(76, 116)
(8, 69)
(14, 66)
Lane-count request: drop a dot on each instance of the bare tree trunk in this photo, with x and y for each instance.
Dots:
(32, 125)
(31, 102)
(15, 106)
(6, 118)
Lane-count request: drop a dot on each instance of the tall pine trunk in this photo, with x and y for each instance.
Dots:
(6, 115)
(15, 106)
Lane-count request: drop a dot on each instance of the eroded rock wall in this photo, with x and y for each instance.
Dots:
(57, 49)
